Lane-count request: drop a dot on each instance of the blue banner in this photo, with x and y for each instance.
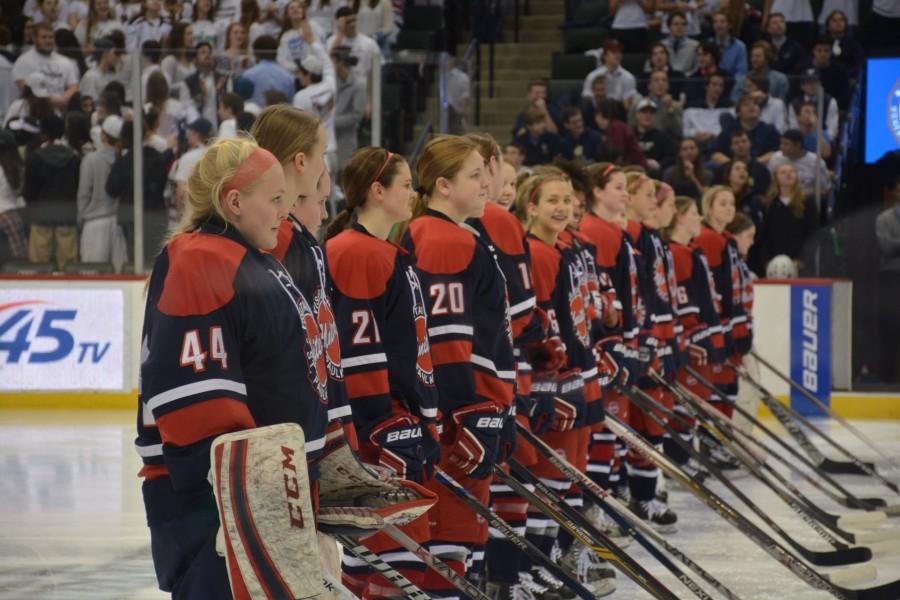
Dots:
(811, 346)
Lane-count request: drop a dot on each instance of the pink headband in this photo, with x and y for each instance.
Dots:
(259, 161)
(664, 190)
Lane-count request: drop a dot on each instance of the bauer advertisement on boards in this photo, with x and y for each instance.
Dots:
(61, 339)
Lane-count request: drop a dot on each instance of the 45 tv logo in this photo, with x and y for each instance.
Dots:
(32, 332)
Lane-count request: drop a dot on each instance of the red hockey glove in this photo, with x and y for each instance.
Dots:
(405, 446)
(568, 404)
(478, 429)
(696, 355)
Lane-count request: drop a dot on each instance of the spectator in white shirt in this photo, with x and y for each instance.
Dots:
(620, 84)
(59, 72)
(230, 106)
(317, 76)
(362, 47)
(148, 25)
(702, 119)
(50, 12)
(771, 109)
(99, 22)
(205, 30)
(807, 164)
(682, 49)
(630, 23)
(322, 12)
(298, 34)
(105, 69)
(375, 18)
(689, 10)
(177, 64)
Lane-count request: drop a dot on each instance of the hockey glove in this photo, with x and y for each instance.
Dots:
(568, 404)
(406, 447)
(508, 436)
(696, 355)
(547, 356)
(543, 391)
(478, 428)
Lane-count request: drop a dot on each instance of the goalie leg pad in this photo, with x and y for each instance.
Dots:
(261, 484)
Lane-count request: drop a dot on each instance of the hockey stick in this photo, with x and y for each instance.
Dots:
(848, 498)
(816, 580)
(525, 475)
(824, 407)
(434, 563)
(409, 589)
(842, 555)
(584, 531)
(855, 466)
(793, 497)
(620, 513)
(845, 520)
(336, 587)
(507, 530)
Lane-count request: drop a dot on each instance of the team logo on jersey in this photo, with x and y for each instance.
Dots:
(736, 286)
(578, 303)
(424, 368)
(314, 346)
(328, 328)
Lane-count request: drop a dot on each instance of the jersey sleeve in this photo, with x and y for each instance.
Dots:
(192, 388)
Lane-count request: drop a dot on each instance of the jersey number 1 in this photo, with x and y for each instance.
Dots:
(192, 353)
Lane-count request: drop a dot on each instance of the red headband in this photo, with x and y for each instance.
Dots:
(609, 169)
(390, 155)
(259, 161)
(664, 189)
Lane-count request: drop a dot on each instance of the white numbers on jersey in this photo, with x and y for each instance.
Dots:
(192, 353)
(526, 276)
(363, 319)
(448, 298)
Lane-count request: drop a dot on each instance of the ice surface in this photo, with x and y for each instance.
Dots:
(72, 522)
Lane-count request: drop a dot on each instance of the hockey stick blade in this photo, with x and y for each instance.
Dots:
(839, 467)
(880, 535)
(409, 589)
(887, 548)
(892, 510)
(862, 519)
(854, 575)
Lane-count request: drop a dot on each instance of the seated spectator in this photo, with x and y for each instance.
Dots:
(791, 219)
(740, 150)
(733, 51)
(577, 141)
(771, 109)
(688, 176)
(659, 61)
(147, 25)
(620, 84)
(790, 56)
(618, 138)
(51, 186)
(629, 24)
(761, 56)
(120, 184)
(537, 96)
(807, 122)
(668, 116)
(60, 75)
(540, 145)
(203, 86)
(598, 95)
(809, 88)
(849, 8)
(656, 144)
(267, 74)
(682, 49)
(798, 17)
(514, 155)
(102, 240)
(349, 104)
(844, 48)
(764, 138)
(707, 65)
(106, 68)
(230, 106)
(12, 171)
(298, 34)
(702, 120)
(832, 75)
(736, 175)
(805, 163)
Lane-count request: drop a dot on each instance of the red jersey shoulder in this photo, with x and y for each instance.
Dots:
(545, 260)
(360, 265)
(605, 236)
(634, 230)
(200, 279)
(712, 244)
(504, 229)
(285, 235)
(441, 246)
(683, 258)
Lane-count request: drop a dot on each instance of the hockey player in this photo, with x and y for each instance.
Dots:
(380, 313)
(721, 253)
(223, 350)
(544, 203)
(696, 310)
(656, 342)
(470, 335)
(506, 239)
(743, 231)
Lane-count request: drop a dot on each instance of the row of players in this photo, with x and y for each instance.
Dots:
(430, 351)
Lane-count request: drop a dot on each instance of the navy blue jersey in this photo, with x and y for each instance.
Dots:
(305, 262)
(224, 348)
(380, 311)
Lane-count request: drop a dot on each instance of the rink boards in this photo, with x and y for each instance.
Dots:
(74, 342)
